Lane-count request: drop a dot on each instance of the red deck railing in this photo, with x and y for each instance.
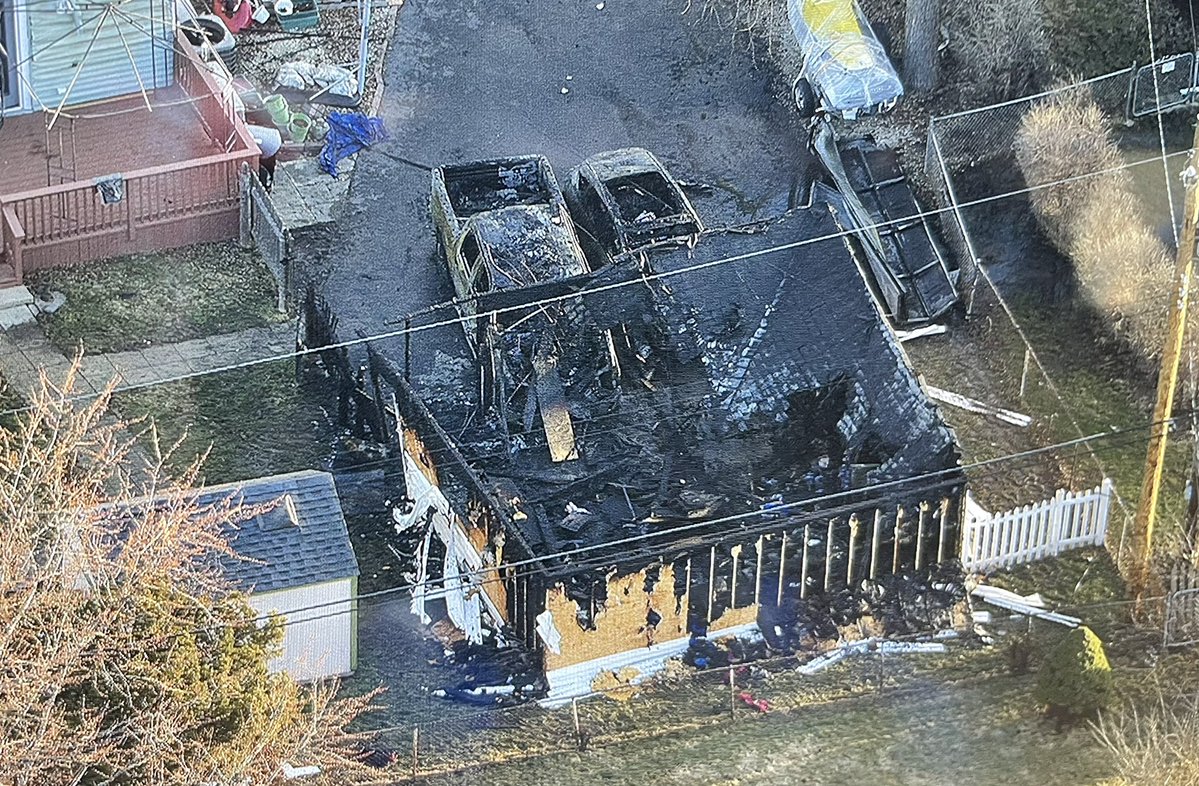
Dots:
(163, 206)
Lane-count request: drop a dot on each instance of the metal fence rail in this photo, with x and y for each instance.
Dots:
(262, 227)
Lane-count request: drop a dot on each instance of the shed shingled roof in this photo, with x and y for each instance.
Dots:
(279, 554)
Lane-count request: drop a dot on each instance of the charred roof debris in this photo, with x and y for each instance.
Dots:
(676, 453)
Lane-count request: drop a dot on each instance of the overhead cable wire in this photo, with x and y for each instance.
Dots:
(633, 281)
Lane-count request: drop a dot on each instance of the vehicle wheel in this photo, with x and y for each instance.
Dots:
(805, 98)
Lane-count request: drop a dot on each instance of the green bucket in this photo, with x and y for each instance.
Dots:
(280, 111)
(299, 127)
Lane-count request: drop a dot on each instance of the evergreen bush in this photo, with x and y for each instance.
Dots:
(1075, 680)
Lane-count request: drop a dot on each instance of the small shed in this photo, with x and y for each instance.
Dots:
(298, 562)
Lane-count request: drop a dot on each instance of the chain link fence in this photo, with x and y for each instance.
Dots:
(970, 155)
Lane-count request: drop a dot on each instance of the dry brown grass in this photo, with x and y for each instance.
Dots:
(1154, 747)
(1003, 45)
(1123, 269)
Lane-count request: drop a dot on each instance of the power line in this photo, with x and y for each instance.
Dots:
(620, 284)
(937, 480)
(853, 499)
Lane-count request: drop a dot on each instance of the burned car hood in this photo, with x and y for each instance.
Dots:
(528, 244)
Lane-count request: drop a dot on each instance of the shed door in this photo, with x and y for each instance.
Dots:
(8, 55)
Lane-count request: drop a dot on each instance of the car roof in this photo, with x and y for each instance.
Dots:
(623, 162)
(528, 244)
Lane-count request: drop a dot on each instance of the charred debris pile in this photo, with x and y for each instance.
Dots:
(731, 436)
(697, 393)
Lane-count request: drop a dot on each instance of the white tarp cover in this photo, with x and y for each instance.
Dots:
(843, 59)
(549, 632)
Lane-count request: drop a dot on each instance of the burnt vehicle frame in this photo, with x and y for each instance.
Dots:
(624, 201)
(502, 224)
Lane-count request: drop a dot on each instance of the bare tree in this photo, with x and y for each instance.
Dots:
(124, 655)
(922, 31)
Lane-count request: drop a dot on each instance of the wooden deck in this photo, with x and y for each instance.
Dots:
(118, 135)
(181, 164)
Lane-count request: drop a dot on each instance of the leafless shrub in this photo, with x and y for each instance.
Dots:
(1123, 269)
(1003, 45)
(757, 22)
(1154, 747)
(121, 644)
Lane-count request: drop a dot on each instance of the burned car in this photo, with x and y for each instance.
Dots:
(846, 70)
(503, 225)
(512, 254)
(625, 201)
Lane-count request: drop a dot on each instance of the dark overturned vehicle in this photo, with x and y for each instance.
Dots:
(913, 277)
(846, 70)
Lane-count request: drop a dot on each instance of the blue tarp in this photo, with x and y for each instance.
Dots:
(349, 132)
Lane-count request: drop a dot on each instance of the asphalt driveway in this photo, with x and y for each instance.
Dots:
(467, 79)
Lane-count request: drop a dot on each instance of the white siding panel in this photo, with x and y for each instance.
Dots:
(318, 642)
(59, 42)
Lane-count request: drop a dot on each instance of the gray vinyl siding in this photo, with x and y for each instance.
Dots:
(59, 42)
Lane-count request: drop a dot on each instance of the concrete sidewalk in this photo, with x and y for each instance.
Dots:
(25, 352)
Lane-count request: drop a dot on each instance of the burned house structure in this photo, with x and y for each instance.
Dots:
(701, 442)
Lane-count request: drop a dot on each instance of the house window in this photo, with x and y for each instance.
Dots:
(8, 54)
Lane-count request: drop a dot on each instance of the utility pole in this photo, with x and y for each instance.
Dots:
(922, 31)
(1143, 581)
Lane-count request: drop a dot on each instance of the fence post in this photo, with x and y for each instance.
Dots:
(875, 541)
(1056, 520)
(574, 711)
(803, 570)
(1105, 508)
(415, 749)
(896, 539)
(828, 555)
(944, 527)
(711, 583)
(967, 548)
(758, 573)
(920, 526)
(736, 552)
(854, 526)
(783, 569)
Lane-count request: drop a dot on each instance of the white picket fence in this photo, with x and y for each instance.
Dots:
(1071, 520)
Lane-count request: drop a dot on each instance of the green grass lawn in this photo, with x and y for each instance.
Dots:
(936, 720)
(163, 297)
(9, 399)
(254, 422)
(1103, 388)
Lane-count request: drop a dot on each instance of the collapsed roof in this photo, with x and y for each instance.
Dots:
(699, 391)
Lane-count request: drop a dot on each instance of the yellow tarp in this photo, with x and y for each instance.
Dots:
(836, 23)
